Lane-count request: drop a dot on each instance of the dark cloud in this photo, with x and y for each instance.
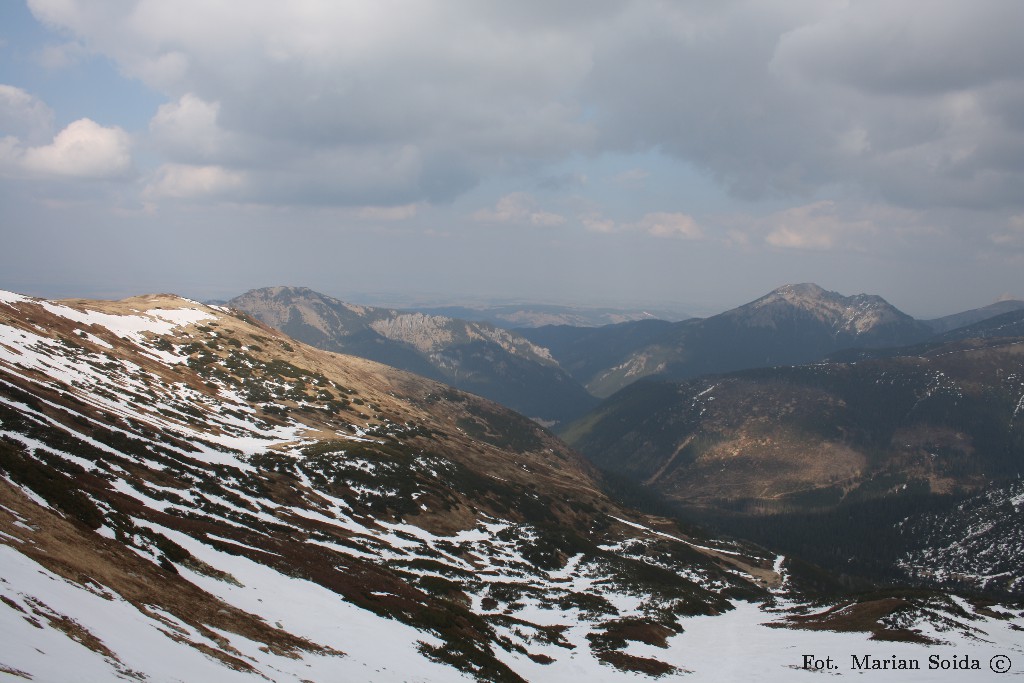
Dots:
(917, 102)
(893, 132)
(467, 90)
(921, 48)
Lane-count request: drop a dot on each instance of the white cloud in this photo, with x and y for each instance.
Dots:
(520, 208)
(84, 149)
(23, 116)
(187, 129)
(677, 225)
(595, 222)
(817, 226)
(662, 224)
(470, 93)
(802, 236)
(182, 181)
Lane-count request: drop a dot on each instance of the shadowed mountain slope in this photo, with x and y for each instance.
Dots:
(791, 325)
(975, 315)
(801, 447)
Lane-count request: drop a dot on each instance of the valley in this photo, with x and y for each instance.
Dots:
(834, 461)
(185, 464)
(474, 356)
(802, 411)
(185, 488)
(511, 342)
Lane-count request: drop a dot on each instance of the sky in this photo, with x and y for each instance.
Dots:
(627, 153)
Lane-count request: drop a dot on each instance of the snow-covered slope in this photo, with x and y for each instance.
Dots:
(187, 496)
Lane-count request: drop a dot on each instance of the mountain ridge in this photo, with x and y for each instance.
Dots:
(791, 324)
(975, 315)
(848, 316)
(187, 490)
(515, 316)
(207, 466)
(473, 356)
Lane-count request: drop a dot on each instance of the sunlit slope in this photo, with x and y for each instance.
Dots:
(183, 484)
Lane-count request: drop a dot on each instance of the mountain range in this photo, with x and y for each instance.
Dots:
(186, 490)
(187, 493)
(792, 324)
(554, 373)
(514, 316)
(475, 356)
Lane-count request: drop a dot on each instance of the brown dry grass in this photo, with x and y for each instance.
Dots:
(865, 617)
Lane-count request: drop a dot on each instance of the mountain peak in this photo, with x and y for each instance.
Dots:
(803, 295)
(803, 289)
(852, 316)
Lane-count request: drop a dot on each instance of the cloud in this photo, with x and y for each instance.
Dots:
(595, 222)
(662, 224)
(1012, 236)
(182, 181)
(23, 117)
(84, 149)
(918, 103)
(389, 213)
(914, 49)
(563, 182)
(452, 83)
(519, 208)
(817, 226)
(61, 56)
(677, 225)
(632, 177)
(187, 129)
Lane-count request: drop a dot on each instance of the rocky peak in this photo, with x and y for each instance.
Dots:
(845, 315)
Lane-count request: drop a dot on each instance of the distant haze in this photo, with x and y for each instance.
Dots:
(689, 156)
